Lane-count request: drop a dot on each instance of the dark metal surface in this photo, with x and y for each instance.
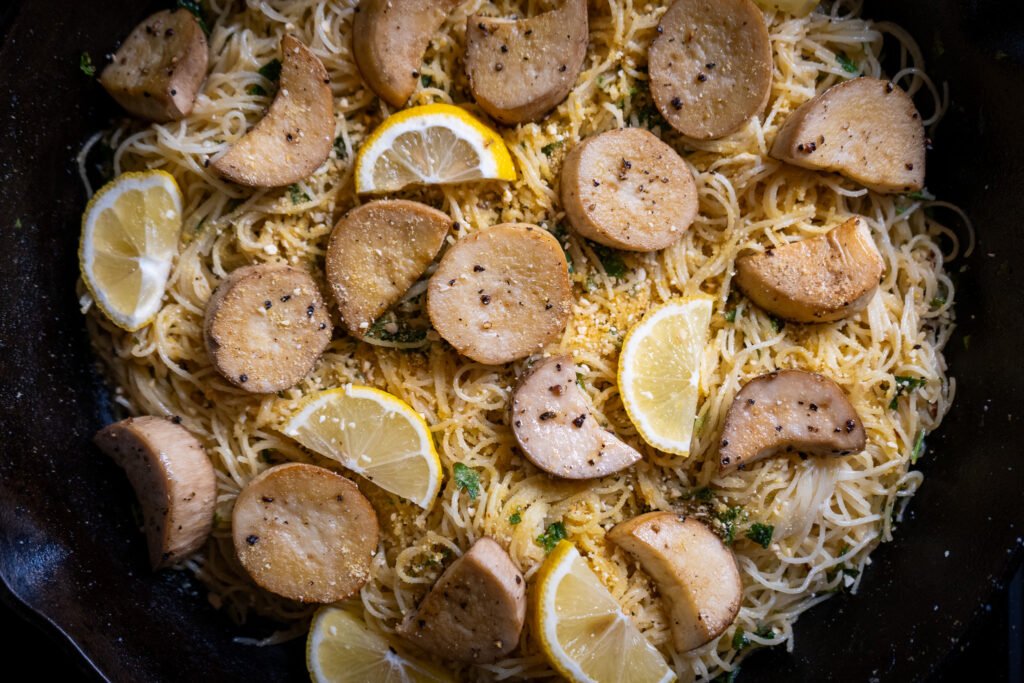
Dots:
(70, 556)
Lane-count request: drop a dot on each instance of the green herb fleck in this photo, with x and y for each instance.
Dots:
(777, 323)
(921, 195)
(918, 448)
(516, 517)
(549, 148)
(730, 315)
(401, 335)
(611, 261)
(730, 520)
(340, 148)
(86, 65)
(847, 63)
(739, 639)
(196, 8)
(17, 224)
(468, 480)
(938, 302)
(761, 534)
(904, 385)
(967, 342)
(426, 80)
(764, 631)
(579, 380)
(297, 194)
(271, 70)
(256, 90)
(551, 536)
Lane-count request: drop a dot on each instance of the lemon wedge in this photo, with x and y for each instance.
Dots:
(583, 630)
(342, 648)
(130, 232)
(659, 372)
(435, 144)
(374, 434)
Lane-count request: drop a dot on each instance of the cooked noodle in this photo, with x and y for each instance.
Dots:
(828, 513)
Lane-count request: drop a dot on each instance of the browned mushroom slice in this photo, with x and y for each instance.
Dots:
(789, 411)
(266, 326)
(475, 611)
(389, 38)
(628, 190)
(817, 280)
(865, 129)
(695, 572)
(555, 429)
(295, 136)
(710, 66)
(305, 532)
(173, 480)
(519, 69)
(377, 251)
(157, 72)
(501, 293)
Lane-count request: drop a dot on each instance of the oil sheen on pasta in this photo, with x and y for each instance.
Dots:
(828, 513)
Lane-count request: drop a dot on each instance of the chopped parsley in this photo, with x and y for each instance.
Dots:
(17, 224)
(271, 70)
(761, 534)
(579, 380)
(938, 302)
(196, 8)
(611, 261)
(730, 315)
(739, 639)
(549, 148)
(401, 335)
(848, 65)
(923, 195)
(702, 494)
(468, 480)
(256, 89)
(918, 448)
(777, 323)
(904, 385)
(516, 517)
(731, 519)
(297, 194)
(339, 147)
(551, 536)
(86, 65)
(426, 80)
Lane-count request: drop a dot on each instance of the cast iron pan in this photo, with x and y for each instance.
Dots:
(72, 559)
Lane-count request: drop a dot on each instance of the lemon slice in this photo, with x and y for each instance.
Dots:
(659, 372)
(130, 232)
(436, 144)
(341, 648)
(583, 630)
(374, 434)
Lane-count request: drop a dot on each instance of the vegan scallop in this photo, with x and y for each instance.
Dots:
(173, 481)
(295, 136)
(556, 430)
(627, 189)
(710, 66)
(696, 573)
(865, 129)
(376, 252)
(389, 38)
(501, 293)
(816, 280)
(475, 612)
(305, 532)
(157, 71)
(789, 411)
(520, 69)
(266, 326)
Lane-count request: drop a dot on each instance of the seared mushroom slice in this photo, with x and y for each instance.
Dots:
(629, 190)
(295, 136)
(265, 327)
(816, 280)
(865, 129)
(555, 429)
(696, 573)
(389, 38)
(305, 532)
(710, 66)
(475, 611)
(157, 72)
(519, 69)
(377, 251)
(789, 411)
(501, 293)
(173, 480)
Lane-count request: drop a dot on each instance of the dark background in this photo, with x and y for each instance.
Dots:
(68, 546)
